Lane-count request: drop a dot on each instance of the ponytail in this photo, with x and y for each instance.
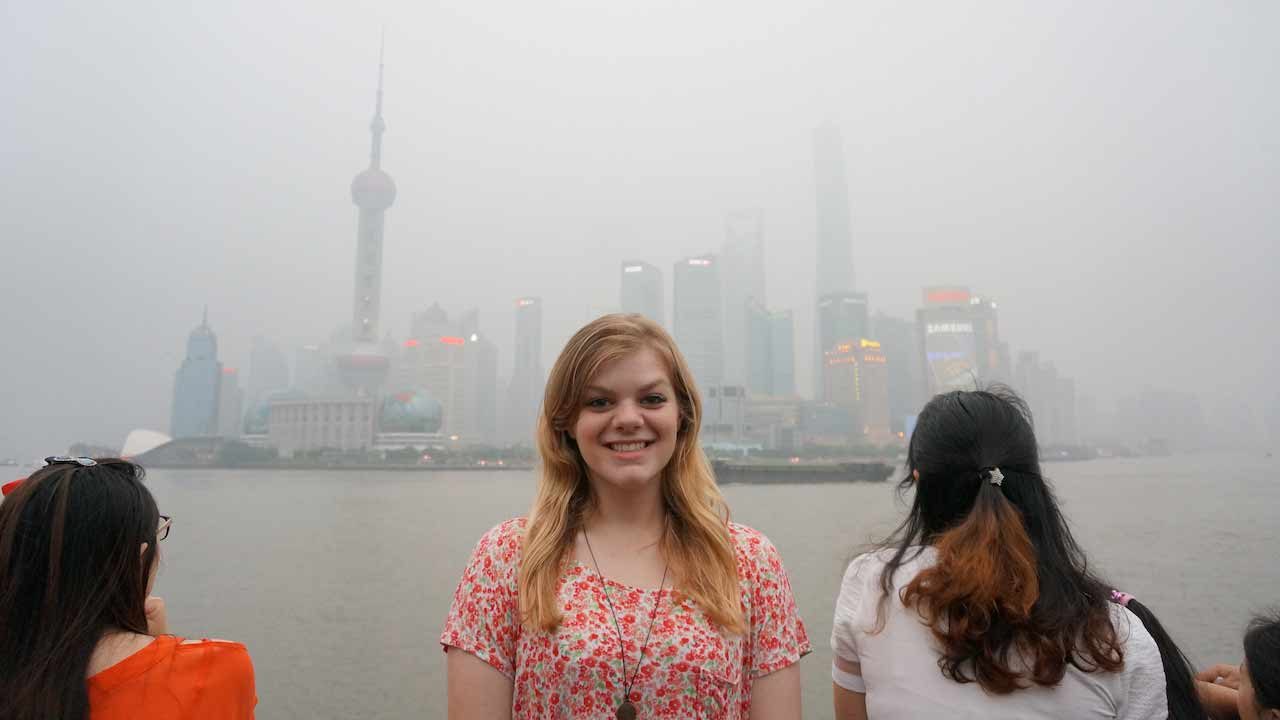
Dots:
(1179, 677)
(982, 588)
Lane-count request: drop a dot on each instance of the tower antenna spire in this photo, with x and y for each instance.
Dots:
(378, 126)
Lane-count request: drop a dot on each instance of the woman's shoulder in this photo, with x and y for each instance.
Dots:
(226, 656)
(750, 544)
(866, 568)
(501, 544)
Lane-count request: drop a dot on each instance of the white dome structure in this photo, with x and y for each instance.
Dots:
(140, 441)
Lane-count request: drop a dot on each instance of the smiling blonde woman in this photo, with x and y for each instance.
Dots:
(626, 592)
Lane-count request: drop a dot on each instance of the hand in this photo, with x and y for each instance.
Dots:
(1221, 674)
(157, 618)
(1218, 700)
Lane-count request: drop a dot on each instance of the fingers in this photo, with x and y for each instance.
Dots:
(1221, 670)
(157, 616)
(1218, 700)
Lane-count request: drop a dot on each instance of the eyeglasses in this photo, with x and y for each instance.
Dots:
(166, 523)
(68, 460)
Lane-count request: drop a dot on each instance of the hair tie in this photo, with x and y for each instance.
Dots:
(994, 476)
(1121, 598)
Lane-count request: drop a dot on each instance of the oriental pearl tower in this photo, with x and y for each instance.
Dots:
(364, 368)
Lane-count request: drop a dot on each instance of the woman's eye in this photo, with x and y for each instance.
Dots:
(654, 399)
(597, 403)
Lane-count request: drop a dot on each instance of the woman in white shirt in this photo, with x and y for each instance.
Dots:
(981, 604)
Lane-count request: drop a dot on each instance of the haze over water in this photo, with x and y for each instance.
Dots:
(339, 582)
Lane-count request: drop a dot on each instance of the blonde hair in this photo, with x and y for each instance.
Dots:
(696, 543)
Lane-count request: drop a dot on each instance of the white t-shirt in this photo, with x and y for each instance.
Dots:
(902, 678)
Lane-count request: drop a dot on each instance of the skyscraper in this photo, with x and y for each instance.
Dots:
(197, 385)
(842, 318)
(770, 351)
(642, 290)
(898, 341)
(946, 328)
(741, 283)
(364, 367)
(480, 424)
(834, 235)
(230, 403)
(697, 319)
(268, 370)
(524, 395)
(856, 378)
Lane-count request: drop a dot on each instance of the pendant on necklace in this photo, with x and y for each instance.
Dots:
(626, 711)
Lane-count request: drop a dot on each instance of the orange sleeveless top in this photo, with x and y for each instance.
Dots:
(168, 679)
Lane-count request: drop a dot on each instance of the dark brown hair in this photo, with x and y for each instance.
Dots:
(70, 571)
(1010, 583)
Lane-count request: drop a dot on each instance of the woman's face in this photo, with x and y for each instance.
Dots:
(1247, 702)
(627, 426)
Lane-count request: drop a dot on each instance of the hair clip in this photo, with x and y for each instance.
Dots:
(1120, 598)
(995, 477)
(68, 460)
(10, 486)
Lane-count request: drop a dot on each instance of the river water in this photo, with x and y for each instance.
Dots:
(339, 582)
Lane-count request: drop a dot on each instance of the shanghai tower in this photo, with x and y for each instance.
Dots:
(835, 239)
(841, 312)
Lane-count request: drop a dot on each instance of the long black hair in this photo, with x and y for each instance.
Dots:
(1009, 573)
(1262, 659)
(1179, 673)
(71, 569)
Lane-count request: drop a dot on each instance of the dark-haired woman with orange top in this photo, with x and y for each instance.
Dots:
(80, 638)
(981, 604)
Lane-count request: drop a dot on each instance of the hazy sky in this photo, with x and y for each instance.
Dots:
(1108, 172)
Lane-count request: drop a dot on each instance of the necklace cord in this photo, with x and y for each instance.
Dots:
(622, 645)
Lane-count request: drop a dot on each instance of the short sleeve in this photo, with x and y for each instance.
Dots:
(227, 678)
(484, 618)
(1144, 695)
(844, 627)
(778, 636)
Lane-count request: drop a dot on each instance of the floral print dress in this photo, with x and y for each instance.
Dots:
(690, 669)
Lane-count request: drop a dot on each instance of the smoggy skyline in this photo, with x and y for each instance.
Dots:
(1107, 173)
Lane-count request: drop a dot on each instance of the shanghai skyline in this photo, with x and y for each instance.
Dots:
(1118, 248)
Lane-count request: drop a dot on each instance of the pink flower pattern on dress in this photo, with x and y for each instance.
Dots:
(690, 670)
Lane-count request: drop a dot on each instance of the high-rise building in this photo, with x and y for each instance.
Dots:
(435, 363)
(856, 378)
(697, 318)
(480, 378)
(835, 277)
(432, 322)
(948, 339)
(364, 367)
(835, 234)
(312, 369)
(197, 385)
(524, 395)
(642, 290)
(991, 353)
(899, 343)
(268, 370)
(741, 284)
(230, 403)
(842, 318)
(770, 351)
